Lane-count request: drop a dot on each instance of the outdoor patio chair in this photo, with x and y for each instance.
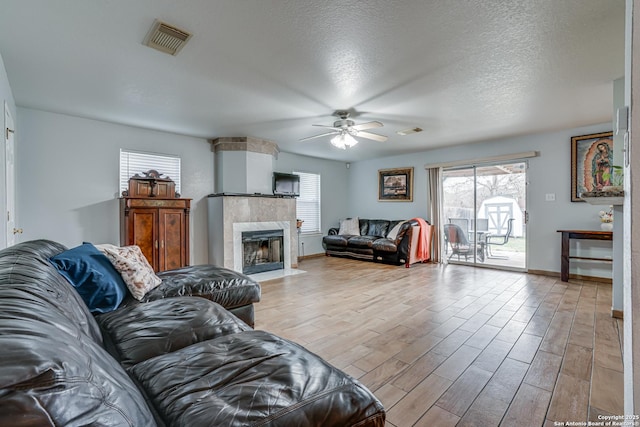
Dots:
(499, 240)
(460, 245)
(463, 223)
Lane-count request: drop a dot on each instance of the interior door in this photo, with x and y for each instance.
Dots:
(10, 190)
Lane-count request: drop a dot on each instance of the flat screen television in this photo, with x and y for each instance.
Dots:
(286, 184)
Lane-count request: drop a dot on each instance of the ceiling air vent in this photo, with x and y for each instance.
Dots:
(166, 38)
(409, 131)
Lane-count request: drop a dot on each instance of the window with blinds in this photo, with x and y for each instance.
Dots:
(132, 163)
(308, 203)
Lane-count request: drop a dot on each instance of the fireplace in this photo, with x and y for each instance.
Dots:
(279, 229)
(262, 250)
(244, 202)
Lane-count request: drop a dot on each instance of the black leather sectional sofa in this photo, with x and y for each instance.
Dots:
(373, 243)
(173, 359)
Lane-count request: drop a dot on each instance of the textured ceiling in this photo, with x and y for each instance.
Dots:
(464, 71)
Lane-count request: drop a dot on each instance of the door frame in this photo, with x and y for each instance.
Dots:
(9, 178)
(473, 166)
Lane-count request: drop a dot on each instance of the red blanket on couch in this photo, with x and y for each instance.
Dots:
(423, 251)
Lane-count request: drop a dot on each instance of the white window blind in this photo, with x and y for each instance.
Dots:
(308, 203)
(132, 163)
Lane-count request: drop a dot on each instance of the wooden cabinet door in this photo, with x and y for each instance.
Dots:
(172, 232)
(143, 232)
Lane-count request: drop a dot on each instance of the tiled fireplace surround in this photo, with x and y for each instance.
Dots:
(247, 206)
(230, 215)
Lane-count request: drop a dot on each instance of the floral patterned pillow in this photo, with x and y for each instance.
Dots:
(134, 268)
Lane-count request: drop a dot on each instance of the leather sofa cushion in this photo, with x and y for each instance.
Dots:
(53, 368)
(143, 331)
(361, 241)
(378, 227)
(335, 240)
(392, 224)
(364, 227)
(39, 291)
(221, 285)
(254, 378)
(49, 377)
(385, 245)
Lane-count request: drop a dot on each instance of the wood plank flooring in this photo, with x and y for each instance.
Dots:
(456, 345)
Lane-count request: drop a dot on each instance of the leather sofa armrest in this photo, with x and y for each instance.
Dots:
(404, 229)
(407, 241)
(403, 240)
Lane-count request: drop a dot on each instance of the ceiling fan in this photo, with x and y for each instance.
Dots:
(345, 131)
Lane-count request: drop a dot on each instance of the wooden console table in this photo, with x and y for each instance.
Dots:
(579, 234)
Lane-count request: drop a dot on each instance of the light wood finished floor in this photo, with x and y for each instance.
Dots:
(456, 345)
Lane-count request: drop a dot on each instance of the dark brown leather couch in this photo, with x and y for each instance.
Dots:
(235, 292)
(171, 360)
(372, 244)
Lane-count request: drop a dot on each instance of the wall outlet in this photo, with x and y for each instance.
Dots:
(550, 197)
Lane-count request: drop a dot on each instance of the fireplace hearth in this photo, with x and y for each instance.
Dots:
(262, 250)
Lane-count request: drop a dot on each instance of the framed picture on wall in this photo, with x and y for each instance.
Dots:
(591, 163)
(395, 185)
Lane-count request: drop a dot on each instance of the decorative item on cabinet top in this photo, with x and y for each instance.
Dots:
(151, 184)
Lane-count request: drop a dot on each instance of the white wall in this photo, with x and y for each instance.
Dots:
(334, 189)
(548, 173)
(243, 172)
(68, 168)
(230, 167)
(67, 177)
(363, 201)
(6, 95)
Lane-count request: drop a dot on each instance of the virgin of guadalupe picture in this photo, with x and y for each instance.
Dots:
(592, 163)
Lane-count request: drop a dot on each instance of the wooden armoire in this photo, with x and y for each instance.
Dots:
(154, 217)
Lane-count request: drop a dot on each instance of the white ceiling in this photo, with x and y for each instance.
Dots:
(462, 70)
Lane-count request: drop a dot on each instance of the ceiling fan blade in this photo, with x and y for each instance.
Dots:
(319, 136)
(327, 126)
(374, 136)
(368, 125)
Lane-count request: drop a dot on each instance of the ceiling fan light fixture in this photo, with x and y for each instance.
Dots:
(345, 131)
(349, 141)
(343, 140)
(338, 141)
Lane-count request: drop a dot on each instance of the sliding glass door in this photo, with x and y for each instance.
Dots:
(484, 215)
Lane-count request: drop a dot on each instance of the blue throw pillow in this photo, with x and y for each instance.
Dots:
(94, 277)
